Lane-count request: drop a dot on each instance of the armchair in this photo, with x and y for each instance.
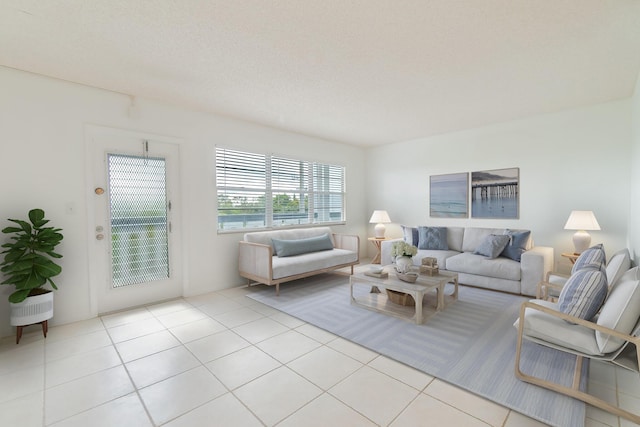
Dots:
(605, 338)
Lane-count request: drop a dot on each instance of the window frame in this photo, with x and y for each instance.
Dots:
(309, 189)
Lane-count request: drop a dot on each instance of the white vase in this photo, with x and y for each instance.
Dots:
(403, 264)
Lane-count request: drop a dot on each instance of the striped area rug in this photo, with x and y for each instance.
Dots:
(470, 344)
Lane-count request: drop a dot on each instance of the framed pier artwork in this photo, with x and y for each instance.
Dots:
(495, 193)
(449, 195)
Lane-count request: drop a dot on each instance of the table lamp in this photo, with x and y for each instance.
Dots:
(380, 218)
(581, 221)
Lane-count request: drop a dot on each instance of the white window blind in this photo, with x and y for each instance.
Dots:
(266, 191)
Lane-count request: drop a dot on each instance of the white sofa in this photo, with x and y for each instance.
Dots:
(258, 262)
(503, 274)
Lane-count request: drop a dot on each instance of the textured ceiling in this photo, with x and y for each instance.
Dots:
(365, 72)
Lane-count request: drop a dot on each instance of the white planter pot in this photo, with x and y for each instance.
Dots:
(403, 264)
(32, 310)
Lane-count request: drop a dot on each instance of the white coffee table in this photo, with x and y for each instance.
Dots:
(424, 284)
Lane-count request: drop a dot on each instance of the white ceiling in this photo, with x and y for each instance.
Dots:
(365, 72)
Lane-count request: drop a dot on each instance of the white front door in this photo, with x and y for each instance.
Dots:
(135, 243)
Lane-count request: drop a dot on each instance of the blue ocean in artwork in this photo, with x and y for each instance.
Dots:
(449, 196)
(504, 207)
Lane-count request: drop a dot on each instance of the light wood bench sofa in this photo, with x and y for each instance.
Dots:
(259, 261)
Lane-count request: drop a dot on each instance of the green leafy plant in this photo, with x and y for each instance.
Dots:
(28, 258)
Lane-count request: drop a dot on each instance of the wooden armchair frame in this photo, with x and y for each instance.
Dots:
(623, 357)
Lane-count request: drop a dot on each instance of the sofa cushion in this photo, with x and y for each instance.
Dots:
(285, 248)
(473, 237)
(440, 256)
(264, 237)
(621, 310)
(454, 238)
(433, 238)
(518, 243)
(492, 245)
(583, 294)
(291, 266)
(501, 268)
(592, 258)
(619, 263)
(550, 329)
(410, 235)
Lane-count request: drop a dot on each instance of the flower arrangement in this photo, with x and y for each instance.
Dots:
(403, 248)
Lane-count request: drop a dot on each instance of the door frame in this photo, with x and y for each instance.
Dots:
(95, 249)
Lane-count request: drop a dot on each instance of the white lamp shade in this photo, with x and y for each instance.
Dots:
(581, 221)
(380, 218)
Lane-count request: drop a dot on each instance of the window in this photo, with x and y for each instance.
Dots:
(266, 191)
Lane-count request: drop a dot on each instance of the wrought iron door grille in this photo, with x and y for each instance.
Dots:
(139, 227)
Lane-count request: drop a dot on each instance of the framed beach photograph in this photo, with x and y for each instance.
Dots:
(495, 193)
(449, 195)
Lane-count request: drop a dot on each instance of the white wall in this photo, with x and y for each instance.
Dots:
(572, 160)
(634, 215)
(42, 125)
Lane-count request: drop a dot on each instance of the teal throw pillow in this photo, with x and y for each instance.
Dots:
(434, 238)
(285, 248)
(492, 245)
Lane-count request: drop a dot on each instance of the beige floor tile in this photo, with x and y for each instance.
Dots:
(76, 345)
(353, 350)
(286, 320)
(200, 300)
(74, 329)
(276, 395)
(408, 375)
(160, 366)
(629, 403)
(21, 383)
(485, 410)
(133, 330)
(178, 395)
(181, 317)
(325, 367)
(628, 382)
(425, 411)
(238, 317)
(226, 410)
(375, 395)
(124, 317)
(168, 307)
(238, 291)
(244, 365)
(326, 411)
(288, 346)
(198, 329)
(17, 357)
(217, 345)
(124, 411)
(600, 416)
(146, 345)
(25, 411)
(71, 398)
(602, 374)
(73, 367)
(316, 333)
(260, 330)
(219, 306)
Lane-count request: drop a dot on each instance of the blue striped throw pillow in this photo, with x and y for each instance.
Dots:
(584, 293)
(592, 258)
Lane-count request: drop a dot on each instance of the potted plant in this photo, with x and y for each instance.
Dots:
(29, 265)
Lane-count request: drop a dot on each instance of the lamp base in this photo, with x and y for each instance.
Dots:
(379, 230)
(581, 241)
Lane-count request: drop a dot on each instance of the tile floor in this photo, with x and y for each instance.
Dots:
(222, 359)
